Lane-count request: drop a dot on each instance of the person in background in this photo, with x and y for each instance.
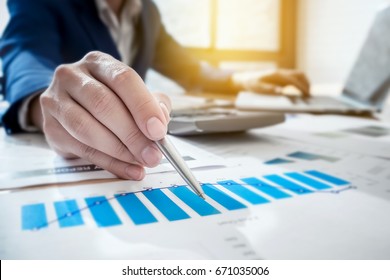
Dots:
(74, 70)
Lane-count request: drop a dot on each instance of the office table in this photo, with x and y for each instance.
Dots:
(269, 223)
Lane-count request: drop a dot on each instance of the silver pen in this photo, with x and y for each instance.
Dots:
(173, 156)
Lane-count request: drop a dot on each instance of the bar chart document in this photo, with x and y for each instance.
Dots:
(361, 136)
(254, 211)
(41, 165)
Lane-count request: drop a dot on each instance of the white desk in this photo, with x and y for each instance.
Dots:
(353, 224)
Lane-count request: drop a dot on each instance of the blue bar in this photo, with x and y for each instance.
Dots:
(278, 161)
(166, 206)
(308, 181)
(309, 156)
(135, 209)
(265, 188)
(287, 184)
(102, 211)
(199, 205)
(34, 216)
(328, 178)
(222, 198)
(243, 192)
(68, 213)
(303, 155)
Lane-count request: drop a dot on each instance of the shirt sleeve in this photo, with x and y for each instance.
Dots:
(30, 52)
(23, 114)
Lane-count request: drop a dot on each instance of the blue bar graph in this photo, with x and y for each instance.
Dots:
(243, 192)
(165, 205)
(308, 181)
(287, 184)
(34, 216)
(135, 209)
(222, 198)
(68, 213)
(328, 178)
(265, 188)
(102, 211)
(198, 204)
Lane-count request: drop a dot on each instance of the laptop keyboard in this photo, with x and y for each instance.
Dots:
(319, 101)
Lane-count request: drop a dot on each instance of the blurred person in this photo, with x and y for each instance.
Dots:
(74, 70)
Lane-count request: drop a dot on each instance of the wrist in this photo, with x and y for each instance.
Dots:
(35, 112)
(246, 80)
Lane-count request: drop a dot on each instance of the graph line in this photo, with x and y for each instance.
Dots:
(107, 199)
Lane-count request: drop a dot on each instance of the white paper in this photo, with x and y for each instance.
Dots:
(340, 223)
(27, 160)
(374, 171)
(356, 135)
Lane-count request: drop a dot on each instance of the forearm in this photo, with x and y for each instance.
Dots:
(217, 80)
(177, 63)
(265, 82)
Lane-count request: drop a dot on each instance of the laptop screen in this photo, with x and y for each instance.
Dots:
(369, 79)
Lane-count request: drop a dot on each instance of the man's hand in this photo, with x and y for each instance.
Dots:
(100, 109)
(273, 82)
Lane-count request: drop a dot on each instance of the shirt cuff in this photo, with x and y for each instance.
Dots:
(23, 114)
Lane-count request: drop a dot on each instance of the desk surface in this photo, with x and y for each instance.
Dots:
(347, 222)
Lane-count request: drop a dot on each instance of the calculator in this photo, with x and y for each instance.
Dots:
(219, 120)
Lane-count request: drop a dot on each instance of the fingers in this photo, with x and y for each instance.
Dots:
(303, 79)
(298, 83)
(129, 87)
(289, 77)
(264, 88)
(165, 104)
(83, 127)
(106, 107)
(66, 145)
(100, 109)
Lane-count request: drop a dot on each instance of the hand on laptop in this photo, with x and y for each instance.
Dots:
(273, 82)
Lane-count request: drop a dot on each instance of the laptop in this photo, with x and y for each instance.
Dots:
(364, 92)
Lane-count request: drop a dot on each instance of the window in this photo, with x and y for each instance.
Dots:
(221, 31)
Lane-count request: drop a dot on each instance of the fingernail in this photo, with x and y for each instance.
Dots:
(135, 172)
(151, 156)
(156, 128)
(166, 111)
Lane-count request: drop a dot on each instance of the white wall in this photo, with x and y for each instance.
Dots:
(330, 33)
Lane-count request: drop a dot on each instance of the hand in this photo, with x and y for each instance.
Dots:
(274, 81)
(100, 109)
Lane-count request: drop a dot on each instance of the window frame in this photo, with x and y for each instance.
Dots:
(283, 57)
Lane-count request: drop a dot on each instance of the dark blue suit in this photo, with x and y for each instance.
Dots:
(43, 34)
